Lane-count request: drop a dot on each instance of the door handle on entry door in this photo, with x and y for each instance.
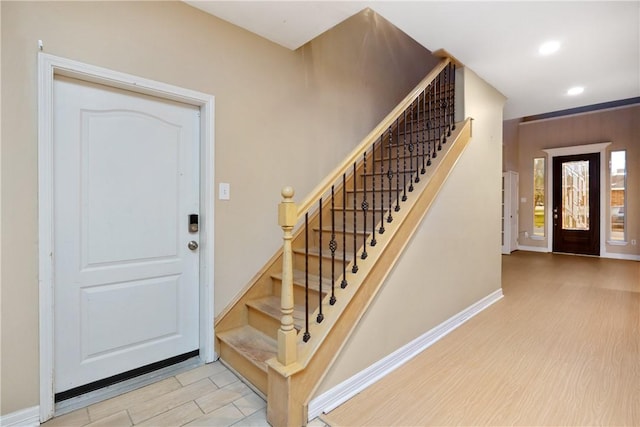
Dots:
(193, 245)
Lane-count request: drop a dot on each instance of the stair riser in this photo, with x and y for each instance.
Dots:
(299, 291)
(381, 202)
(382, 179)
(373, 217)
(239, 363)
(264, 323)
(314, 262)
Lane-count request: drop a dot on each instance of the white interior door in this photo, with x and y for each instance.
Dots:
(126, 179)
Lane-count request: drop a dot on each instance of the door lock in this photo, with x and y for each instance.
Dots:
(193, 245)
(193, 223)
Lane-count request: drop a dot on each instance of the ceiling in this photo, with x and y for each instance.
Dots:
(498, 40)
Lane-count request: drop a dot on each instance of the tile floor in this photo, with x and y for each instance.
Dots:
(209, 395)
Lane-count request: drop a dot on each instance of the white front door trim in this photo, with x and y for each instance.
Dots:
(48, 67)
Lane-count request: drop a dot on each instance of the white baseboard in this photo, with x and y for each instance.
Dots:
(339, 394)
(533, 248)
(612, 255)
(629, 257)
(24, 418)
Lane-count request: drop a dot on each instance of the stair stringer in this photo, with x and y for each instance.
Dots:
(290, 388)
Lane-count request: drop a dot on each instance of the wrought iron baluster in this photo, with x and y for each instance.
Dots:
(306, 335)
(404, 159)
(440, 110)
(417, 145)
(365, 207)
(320, 315)
(445, 105)
(453, 98)
(397, 207)
(390, 173)
(373, 194)
(333, 245)
(426, 151)
(381, 230)
(343, 284)
(354, 269)
(435, 125)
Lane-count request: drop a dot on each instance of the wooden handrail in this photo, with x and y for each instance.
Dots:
(306, 204)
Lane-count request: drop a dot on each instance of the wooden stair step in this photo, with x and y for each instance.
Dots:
(328, 229)
(314, 280)
(325, 254)
(252, 344)
(378, 190)
(271, 306)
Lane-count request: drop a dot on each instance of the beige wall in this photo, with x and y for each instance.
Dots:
(282, 117)
(510, 145)
(619, 126)
(453, 260)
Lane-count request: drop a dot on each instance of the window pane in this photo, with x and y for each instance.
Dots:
(538, 196)
(575, 195)
(617, 197)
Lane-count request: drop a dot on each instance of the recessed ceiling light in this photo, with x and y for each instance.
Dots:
(576, 90)
(549, 47)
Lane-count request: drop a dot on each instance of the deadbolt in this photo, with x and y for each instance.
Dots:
(193, 245)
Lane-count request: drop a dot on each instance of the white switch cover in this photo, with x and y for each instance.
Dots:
(523, 200)
(224, 191)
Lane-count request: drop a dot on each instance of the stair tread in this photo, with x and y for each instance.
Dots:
(314, 280)
(359, 209)
(369, 190)
(328, 229)
(325, 254)
(253, 344)
(271, 306)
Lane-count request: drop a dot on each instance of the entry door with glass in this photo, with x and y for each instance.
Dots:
(576, 204)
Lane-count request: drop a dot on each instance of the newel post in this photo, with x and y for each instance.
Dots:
(287, 335)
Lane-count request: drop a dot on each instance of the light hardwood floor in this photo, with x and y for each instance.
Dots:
(562, 348)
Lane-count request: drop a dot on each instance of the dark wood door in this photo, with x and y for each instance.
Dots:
(576, 204)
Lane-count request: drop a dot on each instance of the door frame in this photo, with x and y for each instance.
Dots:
(48, 67)
(599, 148)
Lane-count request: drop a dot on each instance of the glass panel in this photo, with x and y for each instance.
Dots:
(538, 196)
(617, 197)
(575, 195)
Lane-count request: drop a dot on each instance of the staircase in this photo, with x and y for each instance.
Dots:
(283, 332)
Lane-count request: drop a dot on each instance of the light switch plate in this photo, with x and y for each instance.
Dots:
(224, 191)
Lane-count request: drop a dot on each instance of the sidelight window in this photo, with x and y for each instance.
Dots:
(617, 195)
(538, 196)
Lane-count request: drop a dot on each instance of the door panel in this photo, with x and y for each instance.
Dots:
(126, 172)
(576, 204)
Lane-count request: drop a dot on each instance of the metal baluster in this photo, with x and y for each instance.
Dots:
(343, 284)
(306, 335)
(410, 148)
(381, 230)
(365, 208)
(320, 315)
(426, 151)
(453, 98)
(434, 124)
(404, 159)
(397, 207)
(390, 173)
(373, 194)
(417, 178)
(439, 106)
(354, 269)
(445, 104)
(333, 245)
